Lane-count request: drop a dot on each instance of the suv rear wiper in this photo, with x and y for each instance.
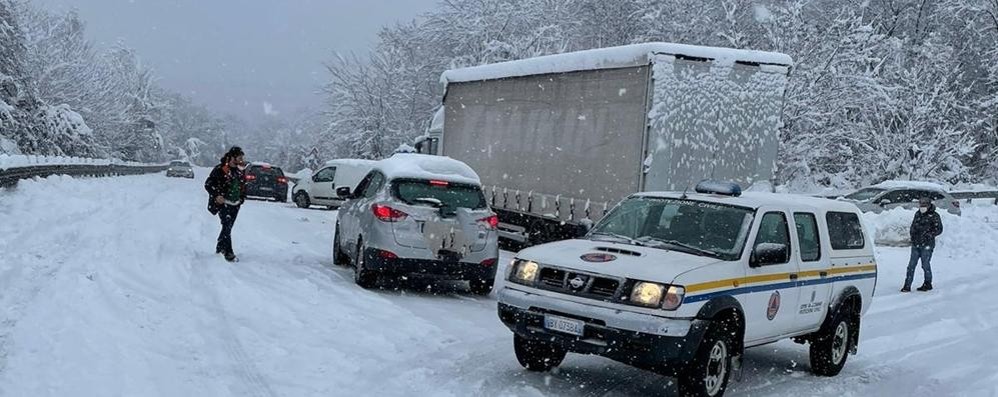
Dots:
(683, 246)
(436, 203)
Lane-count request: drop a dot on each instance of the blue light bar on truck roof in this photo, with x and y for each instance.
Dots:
(719, 187)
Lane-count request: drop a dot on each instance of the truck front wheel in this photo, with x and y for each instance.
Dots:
(830, 346)
(708, 372)
(535, 355)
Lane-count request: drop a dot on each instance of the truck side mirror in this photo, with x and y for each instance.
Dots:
(343, 192)
(769, 254)
(885, 202)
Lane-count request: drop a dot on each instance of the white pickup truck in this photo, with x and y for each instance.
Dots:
(682, 283)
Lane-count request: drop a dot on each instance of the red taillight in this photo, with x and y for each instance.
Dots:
(439, 183)
(282, 180)
(385, 213)
(250, 177)
(492, 221)
(387, 254)
(489, 262)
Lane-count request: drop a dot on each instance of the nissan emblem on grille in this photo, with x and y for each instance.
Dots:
(577, 282)
(598, 257)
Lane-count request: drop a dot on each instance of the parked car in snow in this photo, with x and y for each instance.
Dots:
(979, 197)
(683, 283)
(904, 194)
(180, 169)
(266, 181)
(643, 117)
(418, 214)
(320, 189)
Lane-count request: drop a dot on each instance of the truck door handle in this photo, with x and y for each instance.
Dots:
(793, 276)
(823, 274)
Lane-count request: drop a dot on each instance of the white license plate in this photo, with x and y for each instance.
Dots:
(566, 325)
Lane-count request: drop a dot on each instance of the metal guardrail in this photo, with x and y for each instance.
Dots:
(10, 176)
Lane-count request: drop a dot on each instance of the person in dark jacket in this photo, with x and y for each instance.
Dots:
(226, 193)
(924, 229)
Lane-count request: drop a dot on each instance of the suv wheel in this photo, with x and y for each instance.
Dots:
(480, 286)
(536, 355)
(831, 346)
(363, 277)
(710, 369)
(339, 259)
(301, 199)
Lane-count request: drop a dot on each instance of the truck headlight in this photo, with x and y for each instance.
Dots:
(524, 272)
(647, 294)
(668, 297)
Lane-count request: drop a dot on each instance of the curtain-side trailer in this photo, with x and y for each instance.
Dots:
(558, 140)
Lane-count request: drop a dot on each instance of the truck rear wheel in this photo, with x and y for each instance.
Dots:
(708, 373)
(535, 355)
(831, 346)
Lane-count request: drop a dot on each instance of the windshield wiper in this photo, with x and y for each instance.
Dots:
(683, 246)
(616, 236)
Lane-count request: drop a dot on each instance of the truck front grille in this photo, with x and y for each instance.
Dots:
(582, 284)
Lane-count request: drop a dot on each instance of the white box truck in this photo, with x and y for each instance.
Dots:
(559, 139)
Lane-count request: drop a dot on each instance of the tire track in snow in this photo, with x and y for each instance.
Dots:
(243, 366)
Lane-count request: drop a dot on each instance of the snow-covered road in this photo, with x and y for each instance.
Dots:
(109, 287)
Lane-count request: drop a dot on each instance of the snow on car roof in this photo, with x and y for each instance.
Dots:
(261, 163)
(423, 166)
(607, 58)
(353, 162)
(911, 185)
(758, 199)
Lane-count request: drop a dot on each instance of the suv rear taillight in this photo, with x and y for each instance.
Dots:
(489, 262)
(282, 180)
(385, 213)
(249, 177)
(492, 221)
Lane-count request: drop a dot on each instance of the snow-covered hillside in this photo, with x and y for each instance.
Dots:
(108, 287)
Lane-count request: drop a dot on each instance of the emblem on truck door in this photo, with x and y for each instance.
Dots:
(774, 305)
(598, 257)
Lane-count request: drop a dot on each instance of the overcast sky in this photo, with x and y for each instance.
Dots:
(236, 55)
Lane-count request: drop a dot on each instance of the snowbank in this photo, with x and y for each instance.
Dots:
(606, 58)
(962, 234)
(30, 160)
(421, 166)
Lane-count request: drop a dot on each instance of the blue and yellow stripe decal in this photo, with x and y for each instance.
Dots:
(775, 281)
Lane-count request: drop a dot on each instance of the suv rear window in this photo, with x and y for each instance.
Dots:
(449, 195)
(844, 231)
(271, 171)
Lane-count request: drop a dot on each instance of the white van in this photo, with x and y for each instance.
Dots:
(682, 283)
(320, 189)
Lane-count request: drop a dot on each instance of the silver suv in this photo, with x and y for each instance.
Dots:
(418, 214)
(888, 195)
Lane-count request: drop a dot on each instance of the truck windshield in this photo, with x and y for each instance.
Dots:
(695, 227)
(439, 194)
(865, 194)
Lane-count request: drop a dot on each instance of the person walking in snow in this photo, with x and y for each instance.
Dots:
(226, 193)
(924, 229)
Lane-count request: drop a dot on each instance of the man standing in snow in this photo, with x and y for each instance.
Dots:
(226, 192)
(924, 229)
